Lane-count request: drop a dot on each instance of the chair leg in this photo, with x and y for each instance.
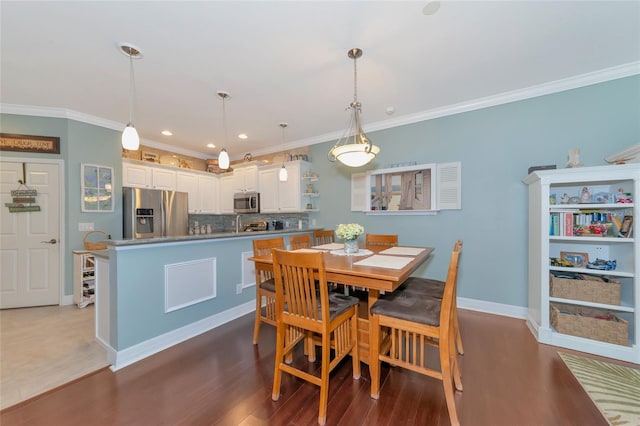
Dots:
(374, 348)
(277, 372)
(355, 352)
(324, 378)
(456, 326)
(446, 358)
(256, 325)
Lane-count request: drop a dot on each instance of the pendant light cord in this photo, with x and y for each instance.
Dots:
(131, 88)
(355, 80)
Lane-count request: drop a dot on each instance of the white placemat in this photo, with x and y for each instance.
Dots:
(403, 251)
(330, 246)
(307, 250)
(361, 252)
(383, 261)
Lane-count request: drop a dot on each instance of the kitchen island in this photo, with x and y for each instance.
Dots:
(154, 293)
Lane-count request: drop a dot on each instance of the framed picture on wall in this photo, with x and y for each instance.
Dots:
(96, 188)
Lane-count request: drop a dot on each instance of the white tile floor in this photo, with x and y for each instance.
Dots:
(44, 347)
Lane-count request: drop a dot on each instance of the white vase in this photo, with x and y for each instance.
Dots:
(351, 246)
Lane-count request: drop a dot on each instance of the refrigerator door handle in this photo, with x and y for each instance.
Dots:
(163, 213)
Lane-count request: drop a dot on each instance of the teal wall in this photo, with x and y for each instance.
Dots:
(496, 147)
(79, 143)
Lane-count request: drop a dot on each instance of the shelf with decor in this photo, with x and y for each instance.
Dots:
(84, 280)
(584, 290)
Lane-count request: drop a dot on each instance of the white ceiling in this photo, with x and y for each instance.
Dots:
(287, 61)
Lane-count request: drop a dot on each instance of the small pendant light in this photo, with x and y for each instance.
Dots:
(130, 138)
(223, 157)
(283, 175)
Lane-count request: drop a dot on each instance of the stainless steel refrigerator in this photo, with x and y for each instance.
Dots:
(149, 213)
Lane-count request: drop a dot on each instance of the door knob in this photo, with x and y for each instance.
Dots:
(51, 241)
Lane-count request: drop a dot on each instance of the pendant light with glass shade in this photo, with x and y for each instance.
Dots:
(283, 175)
(223, 157)
(354, 148)
(130, 138)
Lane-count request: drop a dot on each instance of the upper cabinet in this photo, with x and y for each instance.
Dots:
(202, 190)
(416, 189)
(139, 175)
(245, 178)
(226, 193)
(289, 196)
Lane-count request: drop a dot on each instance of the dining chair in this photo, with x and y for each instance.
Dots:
(300, 241)
(323, 236)
(427, 287)
(386, 240)
(414, 322)
(265, 286)
(303, 302)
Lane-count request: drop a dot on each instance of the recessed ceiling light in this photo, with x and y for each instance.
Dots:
(211, 145)
(167, 133)
(431, 8)
(243, 136)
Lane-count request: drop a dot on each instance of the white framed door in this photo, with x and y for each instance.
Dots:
(31, 250)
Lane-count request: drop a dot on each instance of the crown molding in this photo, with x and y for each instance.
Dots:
(588, 79)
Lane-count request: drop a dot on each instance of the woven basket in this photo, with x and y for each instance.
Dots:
(590, 323)
(590, 289)
(90, 245)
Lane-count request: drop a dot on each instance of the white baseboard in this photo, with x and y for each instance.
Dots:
(120, 359)
(493, 308)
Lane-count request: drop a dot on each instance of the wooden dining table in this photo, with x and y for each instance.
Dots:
(343, 269)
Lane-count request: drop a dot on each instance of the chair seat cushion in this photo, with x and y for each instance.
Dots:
(268, 285)
(338, 303)
(410, 307)
(423, 287)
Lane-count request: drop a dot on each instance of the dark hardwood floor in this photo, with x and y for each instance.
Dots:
(221, 378)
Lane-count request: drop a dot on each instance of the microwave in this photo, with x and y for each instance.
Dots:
(246, 202)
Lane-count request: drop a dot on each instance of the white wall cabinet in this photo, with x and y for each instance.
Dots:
(202, 190)
(245, 178)
(84, 279)
(290, 196)
(547, 202)
(226, 194)
(135, 174)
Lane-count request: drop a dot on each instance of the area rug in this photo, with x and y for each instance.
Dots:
(613, 388)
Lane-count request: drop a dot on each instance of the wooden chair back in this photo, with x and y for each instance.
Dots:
(265, 286)
(386, 240)
(301, 286)
(300, 241)
(323, 236)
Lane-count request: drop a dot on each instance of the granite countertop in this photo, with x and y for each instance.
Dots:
(212, 236)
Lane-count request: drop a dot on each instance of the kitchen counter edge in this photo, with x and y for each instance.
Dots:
(213, 236)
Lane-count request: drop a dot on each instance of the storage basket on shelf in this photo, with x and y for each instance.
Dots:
(590, 288)
(590, 323)
(93, 245)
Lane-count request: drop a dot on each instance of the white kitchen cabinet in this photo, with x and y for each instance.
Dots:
(202, 190)
(268, 178)
(84, 279)
(557, 224)
(245, 178)
(208, 194)
(226, 193)
(290, 196)
(136, 174)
